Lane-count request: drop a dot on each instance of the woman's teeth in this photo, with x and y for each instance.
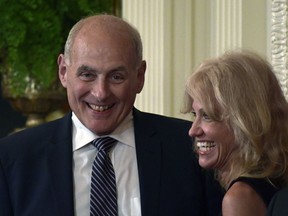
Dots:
(205, 146)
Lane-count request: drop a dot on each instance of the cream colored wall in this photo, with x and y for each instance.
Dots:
(178, 34)
(228, 25)
(255, 24)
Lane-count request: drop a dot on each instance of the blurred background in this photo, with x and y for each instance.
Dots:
(176, 34)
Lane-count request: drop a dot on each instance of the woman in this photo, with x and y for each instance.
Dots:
(240, 128)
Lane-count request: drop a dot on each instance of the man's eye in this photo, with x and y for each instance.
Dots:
(117, 78)
(86, 76)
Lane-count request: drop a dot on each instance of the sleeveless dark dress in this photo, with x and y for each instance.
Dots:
(262, 186)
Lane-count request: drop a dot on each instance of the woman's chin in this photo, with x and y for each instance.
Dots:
(206, 163)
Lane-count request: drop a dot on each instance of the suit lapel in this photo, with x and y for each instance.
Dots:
(59, 162)
(149, 155)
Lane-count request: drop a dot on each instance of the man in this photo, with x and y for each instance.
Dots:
(10, 118)
(278, 205)
(46, 170)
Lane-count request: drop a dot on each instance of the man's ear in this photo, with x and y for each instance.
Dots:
(141, 76)
(62, 70)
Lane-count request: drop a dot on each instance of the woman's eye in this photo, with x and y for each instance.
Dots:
(193, 114)
(205, 116)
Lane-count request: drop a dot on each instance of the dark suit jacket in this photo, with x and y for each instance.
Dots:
(36, 176)
(279, 204)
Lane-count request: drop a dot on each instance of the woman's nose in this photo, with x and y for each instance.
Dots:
(195, 129)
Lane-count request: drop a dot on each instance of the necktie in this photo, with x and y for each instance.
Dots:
(103, 197)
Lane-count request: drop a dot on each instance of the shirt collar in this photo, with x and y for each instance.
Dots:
(124, 133)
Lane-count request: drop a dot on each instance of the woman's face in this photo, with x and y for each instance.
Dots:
(214, 140)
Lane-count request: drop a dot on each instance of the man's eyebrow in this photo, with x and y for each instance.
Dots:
(85, 68)
(120, 68)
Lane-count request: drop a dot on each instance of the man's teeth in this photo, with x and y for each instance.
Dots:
(99, 108)
(205, 146)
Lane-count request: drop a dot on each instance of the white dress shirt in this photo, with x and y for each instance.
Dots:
(123, 158)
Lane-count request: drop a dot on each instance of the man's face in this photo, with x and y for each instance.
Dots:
(102, 80)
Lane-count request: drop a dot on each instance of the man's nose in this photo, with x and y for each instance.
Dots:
(101, 89)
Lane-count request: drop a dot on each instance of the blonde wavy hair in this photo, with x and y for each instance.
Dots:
(241, 89)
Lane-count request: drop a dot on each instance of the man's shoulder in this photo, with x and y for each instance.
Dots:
(278, 206)
(169, 127)
(35, 134)
(158, 118)
(282, 196)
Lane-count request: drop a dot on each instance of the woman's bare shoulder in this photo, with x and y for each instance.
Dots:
(241, 199)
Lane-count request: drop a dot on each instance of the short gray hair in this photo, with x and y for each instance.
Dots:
(111, 23)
